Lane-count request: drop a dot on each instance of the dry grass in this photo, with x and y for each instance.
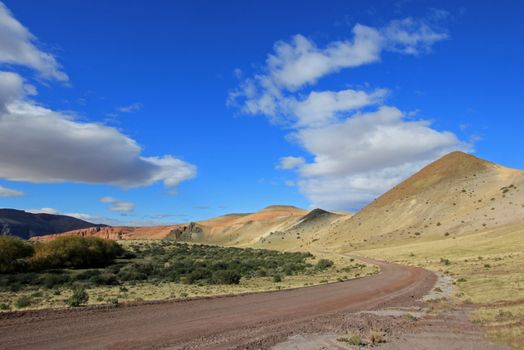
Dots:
(487, 268)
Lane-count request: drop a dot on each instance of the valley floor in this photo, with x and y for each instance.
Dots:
(487, 270)
(249, 321)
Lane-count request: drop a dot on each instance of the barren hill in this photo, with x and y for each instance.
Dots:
(456, 194)
(231, 229)
(117, 232)
(243, 229)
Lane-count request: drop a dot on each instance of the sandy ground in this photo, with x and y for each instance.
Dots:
(448, 330)
(432, 323)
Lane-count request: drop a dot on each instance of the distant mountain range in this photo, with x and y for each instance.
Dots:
(454, 195)
(26, 225)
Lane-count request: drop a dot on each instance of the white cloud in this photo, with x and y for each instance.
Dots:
(361, 157)
(118, 205)
(411, 36)
(301, 62)
(320, 108)
(371, 141)
(41, 145)
(7, 192)
(360, 146)
(17, 47)
(290, 162)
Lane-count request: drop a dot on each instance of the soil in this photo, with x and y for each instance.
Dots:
(389, 303)
(248, 321)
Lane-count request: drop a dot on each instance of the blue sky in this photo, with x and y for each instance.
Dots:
(161, 112)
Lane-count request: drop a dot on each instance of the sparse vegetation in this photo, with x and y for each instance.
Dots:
(151, 270)
(23, 301)
(352, 340)
(486, 284)
(78, 298)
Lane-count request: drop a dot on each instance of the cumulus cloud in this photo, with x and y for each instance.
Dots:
(363, 156)
(371, 141)
(301, 62)
(323, 107)
(360, 146)
(18, 47)
(44, 146)
(7, 192)
(118, 205)
(290, 162)
(41, 145)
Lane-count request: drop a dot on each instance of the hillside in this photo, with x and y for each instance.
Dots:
(243, 229)
(456, 194)
(280, 222)
(117, 232)
(25, 225)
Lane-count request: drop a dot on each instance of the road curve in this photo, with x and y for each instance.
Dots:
(218, 323)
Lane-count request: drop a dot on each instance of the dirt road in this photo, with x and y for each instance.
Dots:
(218, 323)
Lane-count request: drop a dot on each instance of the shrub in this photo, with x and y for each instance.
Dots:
(277, 278)
(78, 298)
(226, 277)
(51, 280)
(323, 264)
(75, 252)
(352, 340)
(23, 301)
(13, 253)
(445, 261)
(106, 278)
(375, 337)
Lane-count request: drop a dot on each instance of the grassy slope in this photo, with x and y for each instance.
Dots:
(488, 268)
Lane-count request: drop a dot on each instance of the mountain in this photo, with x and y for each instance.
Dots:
(260, 228)
(456, 194)
(25, 225)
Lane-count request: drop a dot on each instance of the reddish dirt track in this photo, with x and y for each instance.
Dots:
(214, 323)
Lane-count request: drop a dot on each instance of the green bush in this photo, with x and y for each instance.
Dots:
(277, 278)
(78, 298)
(226, 277)
(323, 264)
(51, 280)
(23, 301)
(75, 252)
(13, 253)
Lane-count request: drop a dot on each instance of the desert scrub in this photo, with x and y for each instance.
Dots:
(71, 261)
(351, 340)
(160, 270)
(78, 297)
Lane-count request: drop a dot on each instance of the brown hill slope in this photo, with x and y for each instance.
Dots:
(243, 229)
(231, 229)
(456, 194)
(117, 232)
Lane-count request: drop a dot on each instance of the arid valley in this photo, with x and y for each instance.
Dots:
(263, 174)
